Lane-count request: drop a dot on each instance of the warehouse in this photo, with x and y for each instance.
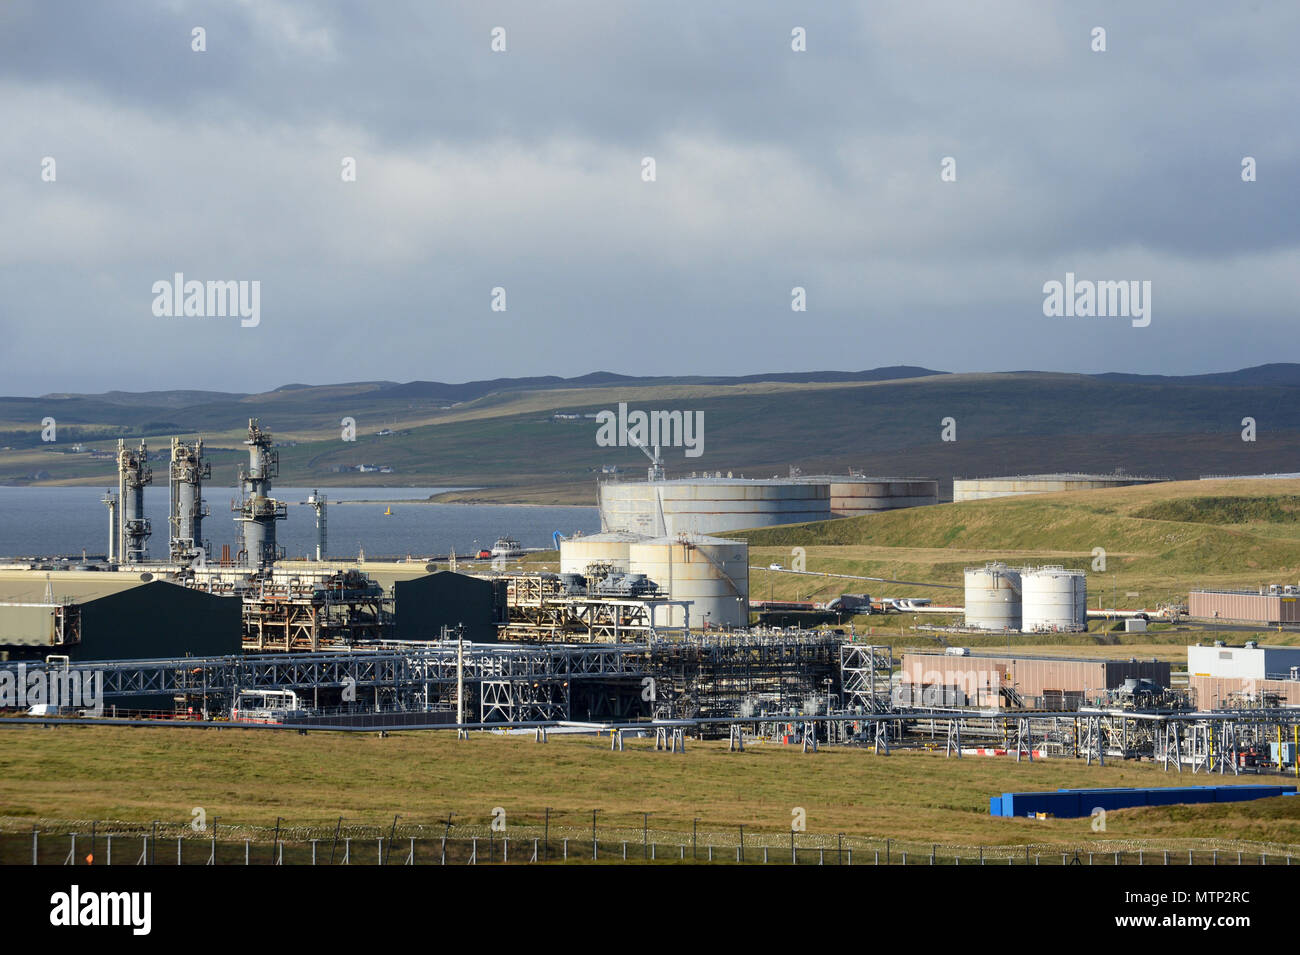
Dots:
(1273, 604)
(1033, 682)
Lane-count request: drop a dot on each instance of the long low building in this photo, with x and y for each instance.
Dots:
(1268, 605)
(1036, 682)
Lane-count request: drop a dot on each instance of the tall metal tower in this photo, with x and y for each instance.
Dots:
(188, 471)
(110, 501)
(257, 512)
(133, 528)
(317, 501)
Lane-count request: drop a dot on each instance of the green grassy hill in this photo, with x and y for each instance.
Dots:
(1160, 540)
(501, 435)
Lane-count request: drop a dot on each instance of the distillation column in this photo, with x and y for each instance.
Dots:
(257, 512)
(133, 476)
(188, 471)
(318, 502)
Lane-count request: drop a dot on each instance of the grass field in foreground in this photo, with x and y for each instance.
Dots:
(251, 777)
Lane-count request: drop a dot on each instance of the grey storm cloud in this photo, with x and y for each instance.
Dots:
(522, 169)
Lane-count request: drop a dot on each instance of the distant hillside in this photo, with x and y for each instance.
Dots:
(502, 434)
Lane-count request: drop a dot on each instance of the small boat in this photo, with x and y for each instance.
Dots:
(388, 511)
(507, 547)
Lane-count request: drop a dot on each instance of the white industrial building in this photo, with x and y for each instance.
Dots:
(1221, 676)
(1251, 662)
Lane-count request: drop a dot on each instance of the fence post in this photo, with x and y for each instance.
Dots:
(313, 852)
(35, 837)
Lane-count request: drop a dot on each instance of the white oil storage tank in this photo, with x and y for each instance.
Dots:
(609, 548)
(855, 496)
(709, 505)
(710, 572)
(993, 597)
(1054, 599)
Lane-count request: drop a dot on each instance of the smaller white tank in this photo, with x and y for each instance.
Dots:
(610, 547)
(1054, 599)
(993, 597)
(710, 572)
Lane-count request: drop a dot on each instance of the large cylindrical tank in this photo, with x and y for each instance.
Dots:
(978, 489)
(993, 597)
(854, 496)
(711, 572)
(610, 547)
(709, 505)
(1053, 598)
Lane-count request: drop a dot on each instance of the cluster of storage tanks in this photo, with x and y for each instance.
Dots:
(1051, 598)
(710, 572)
(714, 505)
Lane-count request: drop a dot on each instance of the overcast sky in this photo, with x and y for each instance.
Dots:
(522, 169)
